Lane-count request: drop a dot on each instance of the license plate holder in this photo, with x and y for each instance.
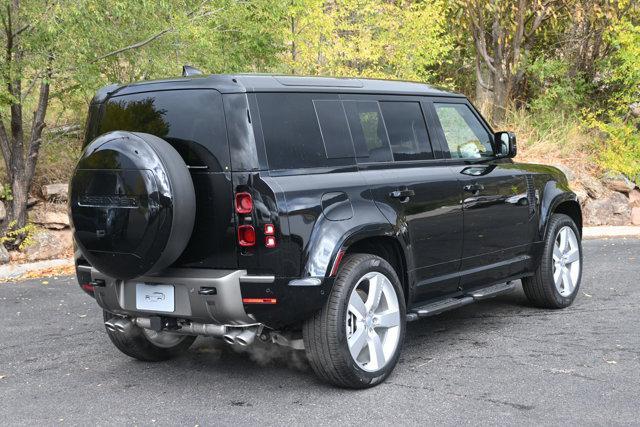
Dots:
(155, 297)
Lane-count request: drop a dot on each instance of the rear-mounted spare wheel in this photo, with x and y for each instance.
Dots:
(132, 204)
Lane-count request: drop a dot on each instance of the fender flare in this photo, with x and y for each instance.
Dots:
(554, 194)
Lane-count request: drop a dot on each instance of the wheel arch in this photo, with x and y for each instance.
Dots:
(387, 247)
(558, 198)
(572, 209)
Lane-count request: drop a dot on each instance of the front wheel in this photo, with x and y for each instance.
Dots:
(557, 279)
(355, 340)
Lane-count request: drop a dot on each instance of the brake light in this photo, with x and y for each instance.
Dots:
(246, 235)
(244, 203)
(269, 229)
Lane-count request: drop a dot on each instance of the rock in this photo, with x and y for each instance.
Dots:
(3, 211)
(634, 197)
(593, 187)
(612, 210)
(617, 182)
(566, 171)
(582, 194)
(49, 244)
(635, 215)
(50, 215)
(4, 255)
(56, 192)
(32, 201)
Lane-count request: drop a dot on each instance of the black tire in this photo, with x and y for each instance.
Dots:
(135, 344)
(540, 288)
(325, 335)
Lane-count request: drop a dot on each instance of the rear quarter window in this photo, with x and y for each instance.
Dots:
(292, 134)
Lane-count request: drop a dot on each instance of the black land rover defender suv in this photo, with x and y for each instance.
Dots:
(316, 213)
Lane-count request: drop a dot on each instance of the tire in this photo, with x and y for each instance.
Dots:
(135, 343)
(132, 204)
(543, 289)
(326, 336)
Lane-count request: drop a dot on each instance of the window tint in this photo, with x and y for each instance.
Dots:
(292, 134)
(407, 130)
(192, 121)
(368, 131)
(465, 135)
(334, 128)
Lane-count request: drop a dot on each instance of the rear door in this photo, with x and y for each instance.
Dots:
(497, 209)
(193, 122)
(411, 185)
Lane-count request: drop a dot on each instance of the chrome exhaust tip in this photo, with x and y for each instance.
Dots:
(230, 337)
(109, 324)
(123, 325)
(246, 337)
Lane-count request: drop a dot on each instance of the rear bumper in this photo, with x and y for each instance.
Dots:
(200, 295)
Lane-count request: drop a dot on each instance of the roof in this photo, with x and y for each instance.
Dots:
(243, 83)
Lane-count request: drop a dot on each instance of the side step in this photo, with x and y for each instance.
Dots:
(492, 291)
(441, 306)
(438, 307)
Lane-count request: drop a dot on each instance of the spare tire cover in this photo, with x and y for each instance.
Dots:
(132, 204)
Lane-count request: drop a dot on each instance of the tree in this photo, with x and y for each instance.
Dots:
(62, 51)
(503, 33)
(366, 38)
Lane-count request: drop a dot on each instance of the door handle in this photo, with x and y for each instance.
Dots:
(473, 188)
(403, 195)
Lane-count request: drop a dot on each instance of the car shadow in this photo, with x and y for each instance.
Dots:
(269, 362)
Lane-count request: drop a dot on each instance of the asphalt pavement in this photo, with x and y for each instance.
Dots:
(494, 362)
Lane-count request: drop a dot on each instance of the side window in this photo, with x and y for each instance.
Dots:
(368, 131)
(335, 130)
(465, 135)
(292, 135)
(407, 131)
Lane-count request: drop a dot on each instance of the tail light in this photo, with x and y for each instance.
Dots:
(246, 235)
(244, 203)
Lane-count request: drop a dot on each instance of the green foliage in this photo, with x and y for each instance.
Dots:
(5, 193)
(23, 236)
(618, 120)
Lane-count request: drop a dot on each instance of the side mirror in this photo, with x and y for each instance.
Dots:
(505, 144)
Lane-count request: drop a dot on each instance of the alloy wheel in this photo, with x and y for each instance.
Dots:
(566, 261)
(373, 322)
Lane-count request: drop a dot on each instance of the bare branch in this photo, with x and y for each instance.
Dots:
(135, 45)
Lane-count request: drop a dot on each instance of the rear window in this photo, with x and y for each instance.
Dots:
(192, 121)
(292, 134)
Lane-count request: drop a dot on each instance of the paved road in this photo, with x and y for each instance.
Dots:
(494, 362)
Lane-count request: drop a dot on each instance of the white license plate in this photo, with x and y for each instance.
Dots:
(155, 297)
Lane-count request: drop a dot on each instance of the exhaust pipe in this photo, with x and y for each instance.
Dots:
(246, 337)
(123, 325)
(230, 337)
(109, 324)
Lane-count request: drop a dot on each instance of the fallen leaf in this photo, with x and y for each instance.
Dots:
(45, 282)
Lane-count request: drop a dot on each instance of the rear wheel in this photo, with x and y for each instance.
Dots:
(557, 279)
(355, 340)
(148, 345)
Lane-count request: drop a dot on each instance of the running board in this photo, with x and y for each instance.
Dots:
(492, 291)
(441, 306)
(438, 307)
